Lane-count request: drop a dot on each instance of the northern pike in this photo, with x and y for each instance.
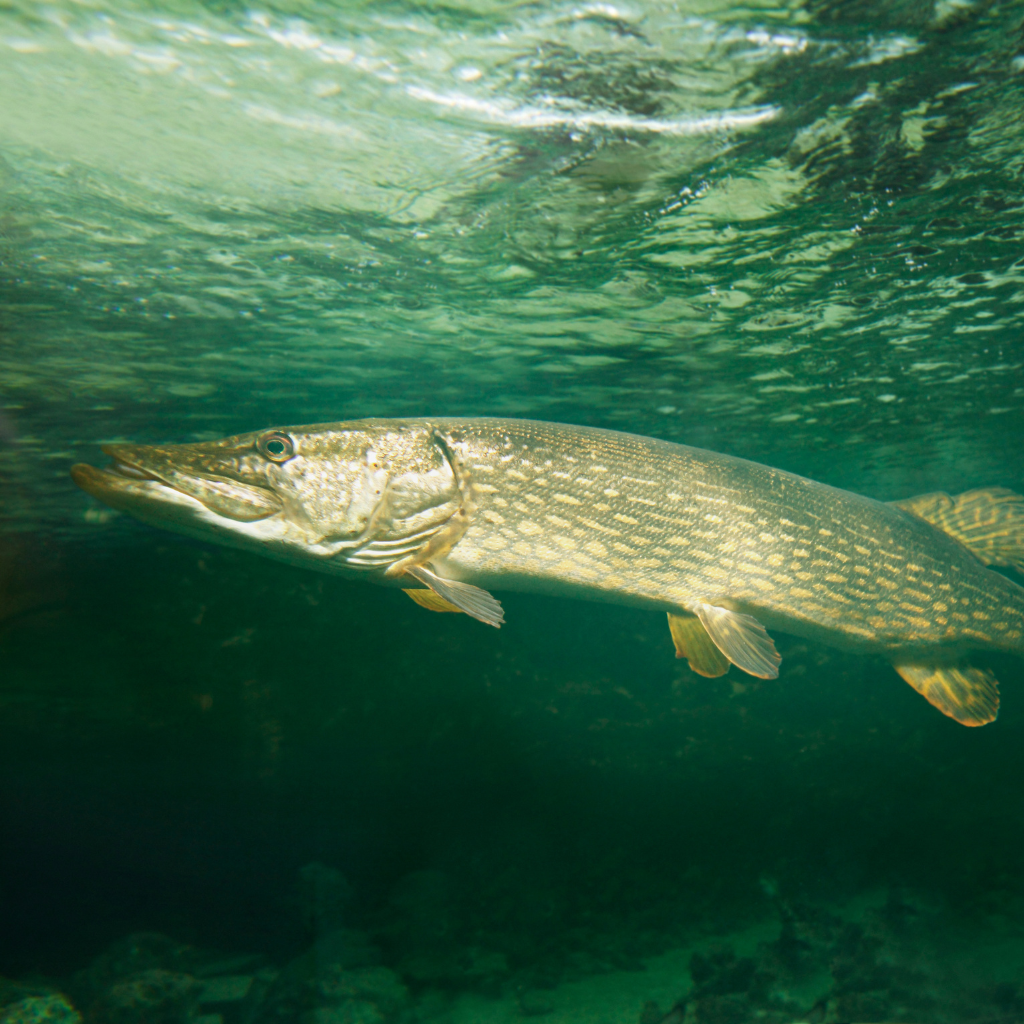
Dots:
(447, 509)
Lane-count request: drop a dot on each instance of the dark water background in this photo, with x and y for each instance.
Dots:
(787, 232)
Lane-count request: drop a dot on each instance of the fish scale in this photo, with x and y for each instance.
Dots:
(554, 501)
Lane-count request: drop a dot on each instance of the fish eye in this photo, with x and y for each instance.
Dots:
(276, 446)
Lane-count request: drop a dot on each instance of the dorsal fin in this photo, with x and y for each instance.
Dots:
(989, 521)
(742, 639)
(968, 695)
(693, 643)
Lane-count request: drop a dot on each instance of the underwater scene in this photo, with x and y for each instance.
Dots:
(237, 790)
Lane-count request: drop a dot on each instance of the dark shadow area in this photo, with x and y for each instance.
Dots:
(245, 756)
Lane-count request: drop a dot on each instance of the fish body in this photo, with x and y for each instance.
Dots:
(452, 508)
(596, 514)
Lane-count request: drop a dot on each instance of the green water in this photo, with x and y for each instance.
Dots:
(790, 232)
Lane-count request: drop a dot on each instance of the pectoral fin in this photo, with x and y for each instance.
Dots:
(464, 597)
(428, 599)
(969, 695)
(742, 639)
(693, 643)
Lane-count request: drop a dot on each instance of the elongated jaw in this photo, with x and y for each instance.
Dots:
(169, 487)
(143, 497)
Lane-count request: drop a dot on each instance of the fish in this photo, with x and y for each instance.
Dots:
(449, 509)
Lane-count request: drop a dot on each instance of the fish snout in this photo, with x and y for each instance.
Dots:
(154, 475)
(117, 490)
(134, 461)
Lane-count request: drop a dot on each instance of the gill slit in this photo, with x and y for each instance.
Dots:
(450, 532)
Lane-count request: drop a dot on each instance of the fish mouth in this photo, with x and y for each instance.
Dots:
(126, 469)
(114, 478)
(121, 486)
(131, 483)
(129, 462)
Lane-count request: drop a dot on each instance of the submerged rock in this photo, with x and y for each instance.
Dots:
(44, 1009)
(316, 991)
(721, 972)
(227, 988)
(14, 991)
(324, 895)
(141, 951)
(149, 978)
(535, 1004)
(153, 996)
(352, 1011)
(378, 985)
(345, 947)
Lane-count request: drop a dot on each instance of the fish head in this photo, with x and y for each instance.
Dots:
(362, 494)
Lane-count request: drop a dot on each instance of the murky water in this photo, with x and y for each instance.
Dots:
(787, 232)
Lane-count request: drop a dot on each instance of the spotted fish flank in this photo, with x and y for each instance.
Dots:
(450, 508)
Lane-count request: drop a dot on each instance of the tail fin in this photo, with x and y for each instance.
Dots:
(989, 522)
